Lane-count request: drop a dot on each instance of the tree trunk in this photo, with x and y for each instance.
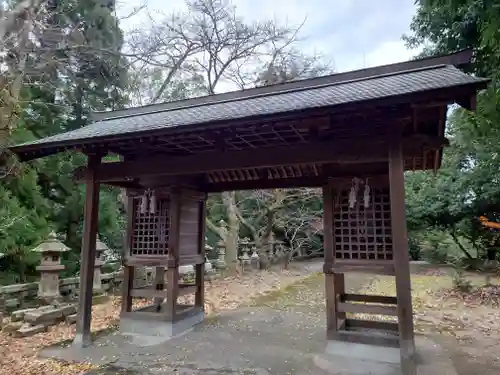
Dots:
(460, 246)
(10, 86)
(231, 240)
(265, 247)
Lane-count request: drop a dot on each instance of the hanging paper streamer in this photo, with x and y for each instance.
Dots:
(354, 192)
(366, 194)
(144, 204)
(148, 197)
(152, 203)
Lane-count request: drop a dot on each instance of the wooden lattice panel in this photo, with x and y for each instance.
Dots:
(150, 230)
(363, 233)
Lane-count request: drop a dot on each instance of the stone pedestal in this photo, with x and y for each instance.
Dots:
(221, 255)
(347, 358)
(133, 324)
(100, 248)
(50, 266)
(48, 288)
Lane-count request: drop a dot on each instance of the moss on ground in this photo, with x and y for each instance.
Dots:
(291, 295)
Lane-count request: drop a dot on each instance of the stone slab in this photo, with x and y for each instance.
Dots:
(68, 310)
(71, 319)
(18, 315)
(44, 316)
(29, 330)
(12, 302)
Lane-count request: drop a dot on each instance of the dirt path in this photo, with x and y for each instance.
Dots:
(277, 332)
(19, 355)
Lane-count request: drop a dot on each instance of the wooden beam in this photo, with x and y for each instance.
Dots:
(368, 298)
(371, 324)
(349, 307)
(468, 102)
(330, 174)
(369, 338)
(401, 256)
(220, 161)
(363, 268)
(365, 150)
(87, 257)
(133, 185)
(265, 183)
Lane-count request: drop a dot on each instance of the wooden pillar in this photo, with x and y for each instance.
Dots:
(339, 287)
(127, 285)
(159, 284)
(87, 258)
(128, 271)
(173, 254)
(401, 257)
(334, 282)
(199, 299)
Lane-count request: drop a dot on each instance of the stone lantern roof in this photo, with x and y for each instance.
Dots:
(100, 246)
(51, 245)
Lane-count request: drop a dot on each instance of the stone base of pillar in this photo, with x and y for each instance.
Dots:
(146, 322)
(347, 358)
(81, 341)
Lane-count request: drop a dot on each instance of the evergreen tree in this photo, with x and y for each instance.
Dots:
(74, 68)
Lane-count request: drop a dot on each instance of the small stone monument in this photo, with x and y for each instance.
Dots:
(254, 258)
(245, 249)
(221, 245)
(221, 254)
(100, 248)
(51, 251)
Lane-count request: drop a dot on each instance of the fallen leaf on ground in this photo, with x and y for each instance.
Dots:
(18, 356)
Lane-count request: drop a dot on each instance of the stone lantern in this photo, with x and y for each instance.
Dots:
(51, 251)
(100, 248)
(221, 254)
(245, 249)
(221, 245)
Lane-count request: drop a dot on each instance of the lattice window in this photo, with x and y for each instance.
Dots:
(150, 231)
(363, 233)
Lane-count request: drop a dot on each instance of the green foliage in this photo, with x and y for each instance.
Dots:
(444, 26)
(62, 86)
(467, 185)
(436, 246)
(461, 283)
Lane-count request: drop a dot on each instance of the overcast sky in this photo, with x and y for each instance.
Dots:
(351, 33)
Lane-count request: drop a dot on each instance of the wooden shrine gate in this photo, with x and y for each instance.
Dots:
(352, 134)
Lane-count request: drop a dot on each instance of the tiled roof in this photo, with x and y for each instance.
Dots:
(328, 95)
